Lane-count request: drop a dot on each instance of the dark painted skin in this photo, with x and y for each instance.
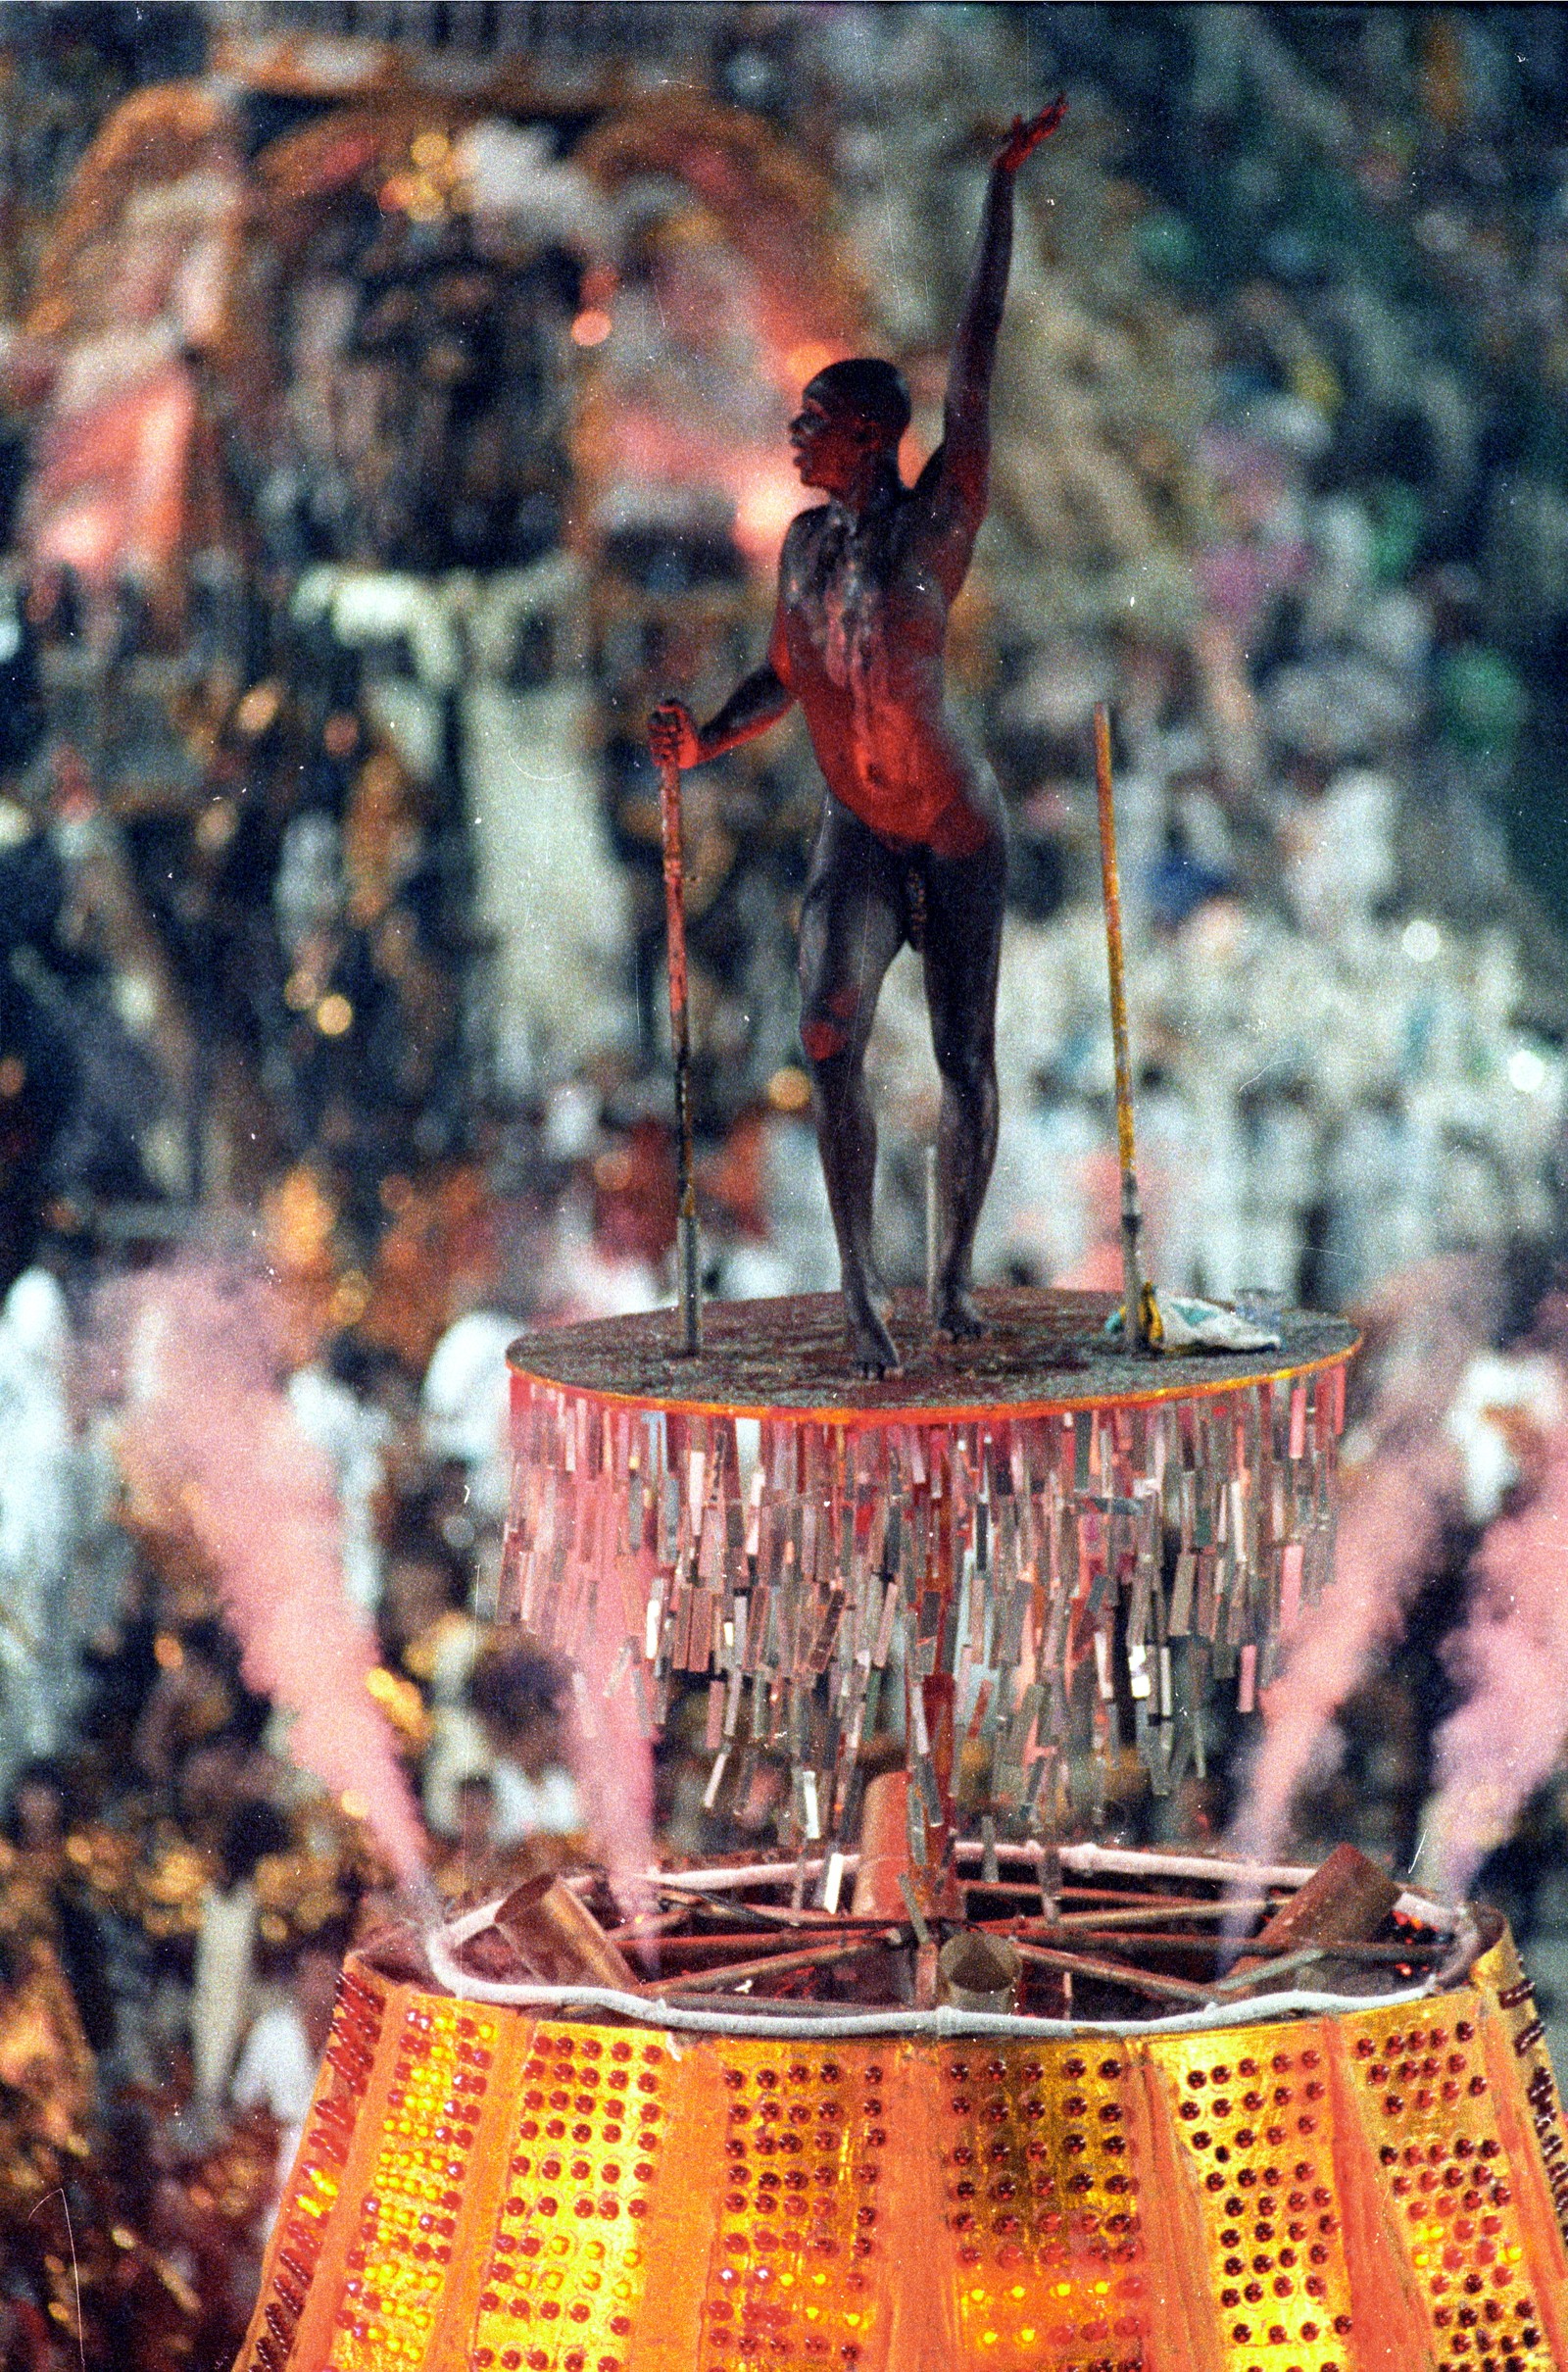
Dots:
(911, 843)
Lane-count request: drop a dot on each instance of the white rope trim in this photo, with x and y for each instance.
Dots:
(1086, 1861)
(942, 2024)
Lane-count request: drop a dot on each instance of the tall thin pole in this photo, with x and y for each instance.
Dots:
(1138, 1327)
(687, 1260)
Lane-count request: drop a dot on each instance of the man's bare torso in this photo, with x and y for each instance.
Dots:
(863, 607)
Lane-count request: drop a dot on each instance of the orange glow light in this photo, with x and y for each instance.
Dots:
(803, 362)
(765, 503)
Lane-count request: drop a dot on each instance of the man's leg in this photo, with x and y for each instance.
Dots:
(851, 926)
(963, 902)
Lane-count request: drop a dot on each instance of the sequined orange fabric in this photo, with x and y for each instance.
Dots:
(482, 2188)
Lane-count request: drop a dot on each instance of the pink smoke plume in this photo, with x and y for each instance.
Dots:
(1511, 1657)
(208, 1436)
(612, 1761)
(1399, 1493)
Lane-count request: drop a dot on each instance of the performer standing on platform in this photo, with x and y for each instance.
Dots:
(911, 844)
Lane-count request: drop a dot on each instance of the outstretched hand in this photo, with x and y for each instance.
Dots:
(1024, 138)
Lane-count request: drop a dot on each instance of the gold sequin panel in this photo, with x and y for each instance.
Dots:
(563, 2277)
(1429, 2110)
(409, 2215)
(1254, 2120)
(799, 2267)
(1040, 2181)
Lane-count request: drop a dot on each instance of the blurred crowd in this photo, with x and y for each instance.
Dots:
(176, 1894)
(330, 842)
(386, 420)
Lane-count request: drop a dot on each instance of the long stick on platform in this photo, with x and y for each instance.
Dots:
(687, 1260)
(1142, 1319)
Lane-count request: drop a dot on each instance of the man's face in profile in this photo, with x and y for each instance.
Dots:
(830, 443)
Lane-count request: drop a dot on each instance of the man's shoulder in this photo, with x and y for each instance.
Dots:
(804, 528)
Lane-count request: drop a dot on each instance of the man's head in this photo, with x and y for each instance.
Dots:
(849, 413)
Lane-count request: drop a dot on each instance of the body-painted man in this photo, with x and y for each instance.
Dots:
(911, 843)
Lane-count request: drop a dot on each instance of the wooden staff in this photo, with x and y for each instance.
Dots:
(1113, 1972)
(688, 1266)
(1142, 1317)
(775, 1964)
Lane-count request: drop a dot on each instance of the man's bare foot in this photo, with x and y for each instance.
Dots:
(955, 1319)
(875, 1351)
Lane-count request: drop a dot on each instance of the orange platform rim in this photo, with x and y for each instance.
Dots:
(575, 1359)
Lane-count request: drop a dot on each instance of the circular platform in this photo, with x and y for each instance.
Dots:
(1044, 1351)
(1074, 1544)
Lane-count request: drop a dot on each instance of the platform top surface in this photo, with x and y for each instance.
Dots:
(1043, 1349)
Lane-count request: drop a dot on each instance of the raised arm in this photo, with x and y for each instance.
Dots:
(966, 425)
(757, 701)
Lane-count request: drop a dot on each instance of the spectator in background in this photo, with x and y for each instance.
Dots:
(227, 1768)
(470, 1865)
(515, 1693)
(222, 1995)
(46, 1900)
(464, 1401)
(278, 2067)
(194, 1698)
(428, 1634)
(423, 1622)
